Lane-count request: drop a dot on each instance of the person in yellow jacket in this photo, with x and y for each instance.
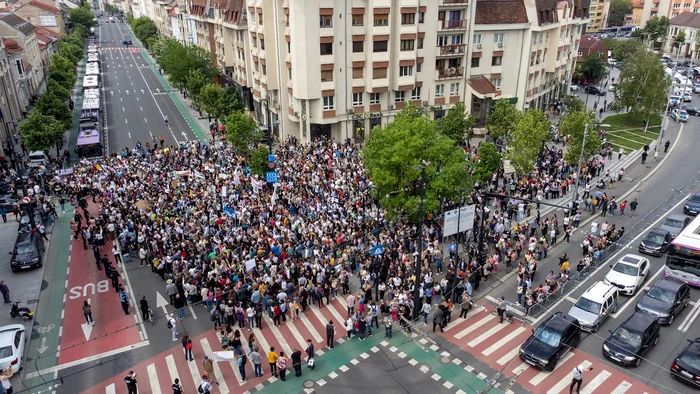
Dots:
(272, 359)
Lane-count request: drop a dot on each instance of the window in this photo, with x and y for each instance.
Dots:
(405, 71)
(457, 39)
(260, 19)
(421, 17)
(441, 41)
(289, 47)
(326, 48)
(415, 93)
(454, 89)
(379, 73)
(408, 19)
(20, 69)
(420, 43)
(399, 97)
(358, 20)
(329, 102)
(289, 73)
(381, 20)
(380, 46)
(264, 69)
(358, 72)
(374, 98)
(439, 91)
(419, 67)
(498, 38)
(496, 83)
(496, 60)
(326, 21)
(476, 39)
(441, 15)
(407, 45)
(475, 62)
(326, 75)
(358, 46)
(262, 44)
(357, 99)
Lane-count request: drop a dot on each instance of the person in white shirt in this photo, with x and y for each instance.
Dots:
(205, 385)
(172, 322)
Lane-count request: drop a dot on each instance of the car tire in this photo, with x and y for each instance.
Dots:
(638, 361)
(687, 301)
(657, 339)
(670, 321)
(596, 328)
(553, 365)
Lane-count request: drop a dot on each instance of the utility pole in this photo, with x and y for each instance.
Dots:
(578, 171)
(416, 292)
(664, 122)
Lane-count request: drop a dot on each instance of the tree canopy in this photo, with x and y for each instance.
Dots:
(573, 124)
(573, 103)
(81, 17)
(144, 28)
(655, 28)
(242, 132)
(209, 98)
(591, 68)
(527, 136)
(392, 154)
(489, 162)
(617, 11)
(258, 161)
(679, 39)
(40, 132)
(457, 124)
(641, 86)
(50, 104)
(622, 49)
(502, 119)
(178, 60)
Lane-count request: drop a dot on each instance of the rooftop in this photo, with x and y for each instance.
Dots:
(499, 12)
(690, 19)
(18, 23)
(11, 46)
(45, 7)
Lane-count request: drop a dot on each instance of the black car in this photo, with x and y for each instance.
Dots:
(27, 251)
(692, 206)
(686, 367)
(656, 242)
(632, 340)
(9, 202)
(551, 341)
(665, 300)
(695, 111)
(590, 89)
(25, 224)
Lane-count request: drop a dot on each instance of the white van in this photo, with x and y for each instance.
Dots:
(36, 159)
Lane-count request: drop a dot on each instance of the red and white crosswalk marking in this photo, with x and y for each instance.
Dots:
(157, 374)
(498, 344)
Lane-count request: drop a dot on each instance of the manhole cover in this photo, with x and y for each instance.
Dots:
(444, 359)
(309, 383)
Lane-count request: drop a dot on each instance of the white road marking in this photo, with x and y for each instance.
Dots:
(509, 356)
(522, 367)
(475, 326)
(129, 134)
(543, 375)
(566, 380)
(596, 382)
(317, 337)
(123, 109)
(141, 108)
(503, 341)
(126, 120)
(690, 317)
(628, 303)
(622, 388)
(153, 378)
(278, 335)
(484, 336)
(111, 389)
(172, 368)
(194, 369)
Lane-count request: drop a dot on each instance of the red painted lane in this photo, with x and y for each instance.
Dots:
(112, 329)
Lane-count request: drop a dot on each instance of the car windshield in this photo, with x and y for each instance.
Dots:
(551, 338)
(673, 223)
(588, 305)
(5, 351)
(26, 248)
(654, 238)
(628, 337)
(690, 359)
(625, 269)
(660, 294)
(683, 113)
(695, 198)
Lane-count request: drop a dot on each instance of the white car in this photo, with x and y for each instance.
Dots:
(629, 273)
(12, 339)
(574, 87)
(696, 88)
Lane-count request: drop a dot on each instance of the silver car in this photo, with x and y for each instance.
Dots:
(595, 305)
(674, 224)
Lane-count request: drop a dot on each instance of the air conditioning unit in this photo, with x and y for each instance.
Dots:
(296, 114)
(392, 107)
(500, 45)
(351, 111)
(479, 46)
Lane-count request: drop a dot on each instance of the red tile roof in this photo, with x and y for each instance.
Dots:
(45, 7)
(11, 46)
(482, 85)
(498, 12)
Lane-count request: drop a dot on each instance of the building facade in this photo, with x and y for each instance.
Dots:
(598, 15)
(10, 105)
(41, 14)
(667, 8)
(689, 24)
(24, 34)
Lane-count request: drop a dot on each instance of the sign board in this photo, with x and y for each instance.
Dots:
(270, 157)
(459, 220)
(26, 200)
(271, 176)
(377, 250)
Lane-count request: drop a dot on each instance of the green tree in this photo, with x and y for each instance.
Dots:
(573, 103)
(178, 60)
(73, 38)
(592, 67)
(81, 17)
(490, 161)
(679, 39)
(81, 31)
(622, 49)
(62, 71)
(617, 11)
(50, 104)
(393, 151)
(502, 119)
(258, 161)
(242, 132)
(144, 28)
(72, 52)
(526, 140)
(230, 102)
(573, 124)
(457, 124)
(655, 28)
(210, 99)
(55, 88)
(641, 86)
(195, 83)
(41, 132)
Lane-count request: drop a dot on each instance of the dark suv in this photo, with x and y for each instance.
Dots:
(632, 340)
(551, 341)
(27, 251)
(686, 367)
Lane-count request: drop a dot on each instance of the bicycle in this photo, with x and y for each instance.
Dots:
(151, 318)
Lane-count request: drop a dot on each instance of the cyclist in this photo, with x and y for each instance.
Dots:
(502, 305)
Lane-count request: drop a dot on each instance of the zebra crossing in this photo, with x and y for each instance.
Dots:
(498, 345)
(157, 374)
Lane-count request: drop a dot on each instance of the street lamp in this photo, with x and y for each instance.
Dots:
(664, 121)
(416, 292)
(269, 122)
(580, 163)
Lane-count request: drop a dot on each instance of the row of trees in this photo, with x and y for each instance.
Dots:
(51, 115)
(144, 29)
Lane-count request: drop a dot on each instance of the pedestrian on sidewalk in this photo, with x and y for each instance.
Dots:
(256, 359)
(437, 319)
(172, 326)
(171, 291)
(272, 360)
(179, 306)
(5, 292)
(388, 326)
(309, 353)
(117, 255)
(282, 366)
(296, 362)
(208, 367)
(187, 346)
(330, 334)
(87, 311)
(124, 298)
(577, 378)
(131, 383)
(666, 145)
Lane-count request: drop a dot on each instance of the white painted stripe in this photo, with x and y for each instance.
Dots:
(566, 380)
(172, 369)
(194, 371)
(263, 347)
(508, 356)
(543, 375)
(320, 316)
(278, 335)
(475, 326)
(457, 321)
(194, 315)
(217, 371)
(111, 389)
(317, 337)
(524, 366)
(622, 388)
(685, 325)
(335, 313)
(503, 341)
(297, 335)
(342, 301)
(153, 378)
(596, 382)
(486, 335)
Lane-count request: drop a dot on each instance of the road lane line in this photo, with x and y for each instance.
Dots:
(484, 336)
(522, 367)
(690, 318)
(509, 356)
(153, 378)
(596, 382)
(297, 335)
(475, 326)
(145, 120)
(622, 388)
(630, 301)
(278, 335)
(111, 389)
(172, 368)
(543, 375)
(335, 313)
(129, 134)
(311, 328)
(503, 341)
(264, 347)
(194, 369)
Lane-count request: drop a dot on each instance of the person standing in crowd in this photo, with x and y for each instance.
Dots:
(131, 384)
(309, 353)
(145, 310)
(124, 299)
(388, 325)
(282, 366)
(87, 311)
(205, 385)
(172, 326)
(208, 366)
(5, 292)
(241, 362)
(187, 347)
(330, 334)
(296, 362)
(272, 360)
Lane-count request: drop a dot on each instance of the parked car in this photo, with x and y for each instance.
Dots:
(686, 367)
(692, 206)
(665, 300)
(695, 111)
(632, 340)
(595, 305)
(574, 87)
(12, 340)
(628, 274)
(25, 225)
(687, 97)
(8, 202)
(591, 89)
(656, 242)
(696, 87)
(679, 115)
(674, 224)
(27, 251)
(674, 100)
(554, 338)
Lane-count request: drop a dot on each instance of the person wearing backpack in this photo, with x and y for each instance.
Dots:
(177, 387)
(172, 326)
(204, 386)
(375, 314)
(242, 361)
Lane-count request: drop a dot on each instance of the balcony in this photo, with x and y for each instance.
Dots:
(450, 72)
(454, 2)
(454, 24)
(451, 50)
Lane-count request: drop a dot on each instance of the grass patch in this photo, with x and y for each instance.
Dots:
(629, 132)
(625, 143)
(645, 139)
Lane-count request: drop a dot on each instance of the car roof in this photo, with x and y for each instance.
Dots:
(693, 348)
(598, 290)
(631, 259)
(669, 284)
(658, 231)
(7, 333)
(559, 322)
(676, 217)
(638, 322)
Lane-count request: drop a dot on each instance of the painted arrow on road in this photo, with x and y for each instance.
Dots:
(112, 92)
(87, 330)
(161, 302)
(41, 349)
(157, 90)
(142, 91)
(127, 91)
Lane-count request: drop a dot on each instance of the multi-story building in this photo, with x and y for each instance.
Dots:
(19, 72)
(24, 34)
(689, 24)
(10, 110)
(667, 8)
(598, 14)
(40, 14)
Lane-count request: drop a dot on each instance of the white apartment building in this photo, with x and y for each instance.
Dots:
(338, 68)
